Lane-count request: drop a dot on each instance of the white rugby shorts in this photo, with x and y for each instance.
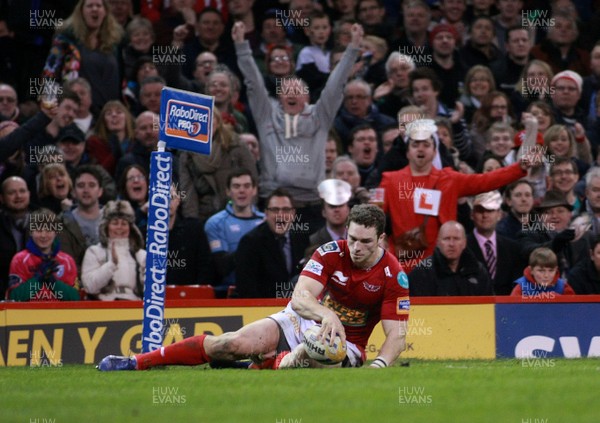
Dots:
(293, 326)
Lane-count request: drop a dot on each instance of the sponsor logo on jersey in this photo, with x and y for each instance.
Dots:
(370, 287)
(339, 278)
(403, 305)
(60, 270)
(314, 267)
(348, 316)
(403, 280)
(387, 271)
(330, 247)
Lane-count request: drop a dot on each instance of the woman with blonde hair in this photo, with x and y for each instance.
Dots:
(533, 85)
(114, 269)
(479, 82)
(204, 178)
(86, 46)
(55, 188)
(559, 141)
(113, 134)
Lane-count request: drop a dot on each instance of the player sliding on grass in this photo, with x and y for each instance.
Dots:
(347, 286)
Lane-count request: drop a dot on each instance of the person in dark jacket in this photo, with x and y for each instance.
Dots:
(14, 223)
(500, 255)
(452, 269)
(518, 197)
(267, 257)
(146, 139)
(551, 229)
(358, 108)
(15, 140)
(584, 278)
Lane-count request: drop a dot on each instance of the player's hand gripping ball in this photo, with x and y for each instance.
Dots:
(320, 350)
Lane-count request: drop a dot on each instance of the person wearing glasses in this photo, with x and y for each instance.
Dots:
(564, 175)
(358, 109)
(495, 107)
(279, 64)
(267, 257)
(566, 90)
(273, 35)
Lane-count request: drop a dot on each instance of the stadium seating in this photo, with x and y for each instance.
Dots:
(190, 292)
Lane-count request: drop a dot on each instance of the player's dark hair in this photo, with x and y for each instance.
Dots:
(279, 192)
(89, 169)
(237, 172)
(369, 216)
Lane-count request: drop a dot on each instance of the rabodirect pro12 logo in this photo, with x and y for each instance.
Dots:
(187, 120)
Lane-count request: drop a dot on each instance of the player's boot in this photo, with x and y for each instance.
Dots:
(117, 362)
(262, 365)
(283, 360)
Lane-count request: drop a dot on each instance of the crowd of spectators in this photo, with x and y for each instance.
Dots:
(491, 107)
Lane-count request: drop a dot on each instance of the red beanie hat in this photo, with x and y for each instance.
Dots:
(442, 28)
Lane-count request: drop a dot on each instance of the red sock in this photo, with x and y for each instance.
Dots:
(188, 351)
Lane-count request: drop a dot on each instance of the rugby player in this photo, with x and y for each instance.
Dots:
(346, 286)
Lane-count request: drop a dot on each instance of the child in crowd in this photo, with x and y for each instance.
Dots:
(541, 276)
(313, 64)
(41, 272)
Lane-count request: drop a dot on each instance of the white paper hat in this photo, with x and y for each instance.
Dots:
(335, 191)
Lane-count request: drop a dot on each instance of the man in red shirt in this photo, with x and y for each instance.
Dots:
(419, 190)
(346, 286)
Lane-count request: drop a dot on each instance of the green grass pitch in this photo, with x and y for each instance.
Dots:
(513, 391)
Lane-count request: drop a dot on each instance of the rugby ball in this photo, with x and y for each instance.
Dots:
(323, 352)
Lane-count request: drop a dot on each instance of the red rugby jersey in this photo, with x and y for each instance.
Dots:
(359, 297)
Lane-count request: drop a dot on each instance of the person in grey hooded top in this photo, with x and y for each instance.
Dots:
(292, 132)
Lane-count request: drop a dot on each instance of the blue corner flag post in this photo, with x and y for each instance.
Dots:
(186, 124)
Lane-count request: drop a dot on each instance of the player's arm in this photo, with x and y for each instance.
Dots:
(394, 344)
(305, 303)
